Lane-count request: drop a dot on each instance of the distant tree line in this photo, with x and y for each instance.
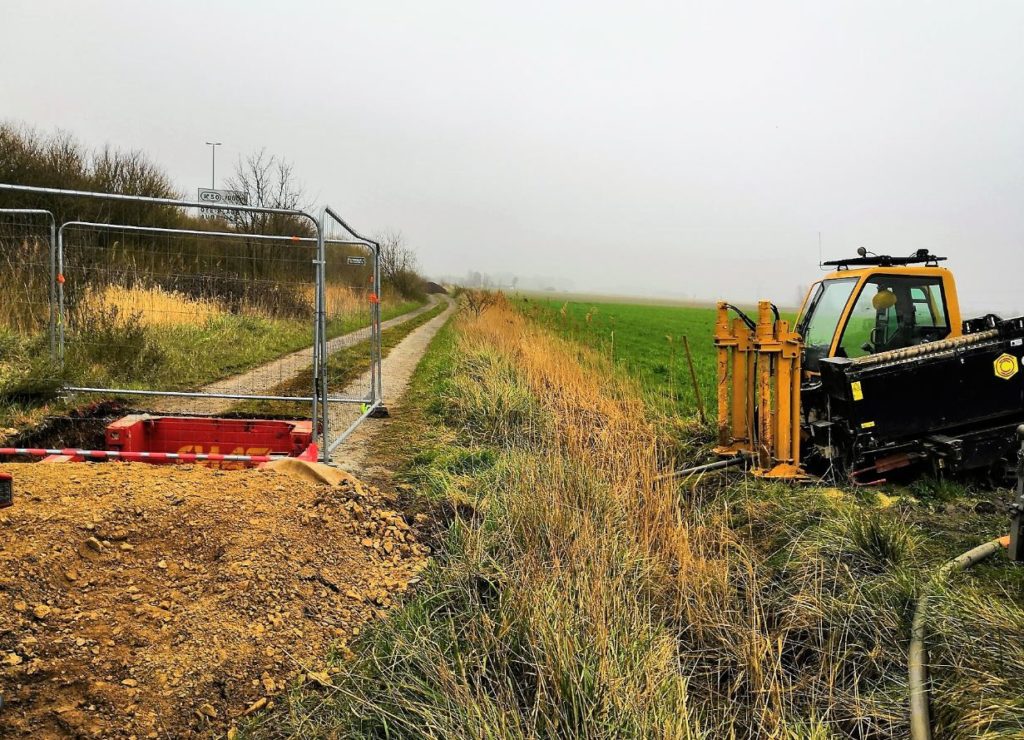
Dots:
(195, 266)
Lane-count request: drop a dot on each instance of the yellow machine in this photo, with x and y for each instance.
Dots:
(771, 404)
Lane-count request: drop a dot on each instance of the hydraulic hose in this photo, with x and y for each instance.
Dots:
(746, 319)
(917, 660)
(709, 467)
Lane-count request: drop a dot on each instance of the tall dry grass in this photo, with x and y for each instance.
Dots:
(154, 307)
(604, 543)
(341, 300)
(574, 598)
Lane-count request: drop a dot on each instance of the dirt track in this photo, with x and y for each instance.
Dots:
(265, 378)
(168, 601)
(399, 365)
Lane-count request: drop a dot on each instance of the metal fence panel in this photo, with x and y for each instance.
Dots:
(244, 306)
(183, 316)
(352, 362)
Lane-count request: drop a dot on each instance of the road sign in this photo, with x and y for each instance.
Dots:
(356, 260)
(218, 197)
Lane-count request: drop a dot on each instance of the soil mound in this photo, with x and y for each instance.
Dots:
(168, 601)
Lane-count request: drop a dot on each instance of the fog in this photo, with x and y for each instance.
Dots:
(689, 150)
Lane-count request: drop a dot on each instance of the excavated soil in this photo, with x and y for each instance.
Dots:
(153, 601)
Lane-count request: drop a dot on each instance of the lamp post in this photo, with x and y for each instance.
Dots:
(213, 163)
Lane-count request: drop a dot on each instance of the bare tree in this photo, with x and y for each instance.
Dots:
(267, 181)
(478, 301)
(398, 263)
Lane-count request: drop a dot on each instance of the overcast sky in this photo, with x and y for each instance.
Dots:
(676, 149)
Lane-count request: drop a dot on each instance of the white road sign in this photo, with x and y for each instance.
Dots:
(214, 197)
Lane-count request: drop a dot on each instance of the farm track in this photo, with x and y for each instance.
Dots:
(265, 378)
(354, 454)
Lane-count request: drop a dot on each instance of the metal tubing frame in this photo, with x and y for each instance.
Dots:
(155, 201)
(320, 395)
(352, 427)
(197, 232)
(318, 325)
(53, 268)
(189, 394)
(375, 399)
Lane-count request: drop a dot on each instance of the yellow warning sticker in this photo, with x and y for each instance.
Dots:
(868, 425)
(858, 392)
(1006, 366)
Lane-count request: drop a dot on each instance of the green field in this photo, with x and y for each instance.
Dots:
(646, 341)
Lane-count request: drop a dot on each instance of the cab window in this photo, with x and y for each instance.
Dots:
(821, 316)
(892, 312)
(824, 311)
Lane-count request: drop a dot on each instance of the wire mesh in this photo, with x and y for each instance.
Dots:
(179, 315)
(352, 353)
(28, 366)
(206, 320)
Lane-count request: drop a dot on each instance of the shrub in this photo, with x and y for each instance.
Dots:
(104, 343)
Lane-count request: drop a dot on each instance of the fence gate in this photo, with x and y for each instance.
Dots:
(260, 312)
(351, 344)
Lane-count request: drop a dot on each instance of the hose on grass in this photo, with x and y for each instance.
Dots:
(707, 468)
(917, 660)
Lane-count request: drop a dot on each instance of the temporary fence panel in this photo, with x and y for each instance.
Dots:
(211, 321)
(27, 283)
(351, 337)
(179, 315)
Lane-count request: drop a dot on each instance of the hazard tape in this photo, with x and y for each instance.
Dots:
(152, 456)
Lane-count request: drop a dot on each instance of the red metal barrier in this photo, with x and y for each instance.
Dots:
(224, 443)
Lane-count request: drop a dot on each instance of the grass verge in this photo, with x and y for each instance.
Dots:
(343, 367)
(575, 594)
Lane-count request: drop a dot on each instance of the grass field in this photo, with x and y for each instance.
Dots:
(574, 594)
(645, 340)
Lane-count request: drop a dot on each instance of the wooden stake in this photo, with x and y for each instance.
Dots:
(693, 377)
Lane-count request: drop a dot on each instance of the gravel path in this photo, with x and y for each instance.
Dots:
(354, 453)
(265, 378)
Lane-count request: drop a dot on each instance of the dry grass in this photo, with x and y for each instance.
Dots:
(153, 307)
(342, 300)
(625, 559)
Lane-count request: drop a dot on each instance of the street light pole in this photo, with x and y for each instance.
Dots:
(213, 163)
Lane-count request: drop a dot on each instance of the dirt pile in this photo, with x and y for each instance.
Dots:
(167, 601)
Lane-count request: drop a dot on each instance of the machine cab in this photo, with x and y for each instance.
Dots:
(877, 303)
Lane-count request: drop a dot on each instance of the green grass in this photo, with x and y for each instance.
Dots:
(646, 341)
(552, 609)
(343, 367)
(116, 353)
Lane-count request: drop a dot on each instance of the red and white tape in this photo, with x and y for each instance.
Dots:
(150, 456)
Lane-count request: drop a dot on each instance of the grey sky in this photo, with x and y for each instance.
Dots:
(684, 149)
